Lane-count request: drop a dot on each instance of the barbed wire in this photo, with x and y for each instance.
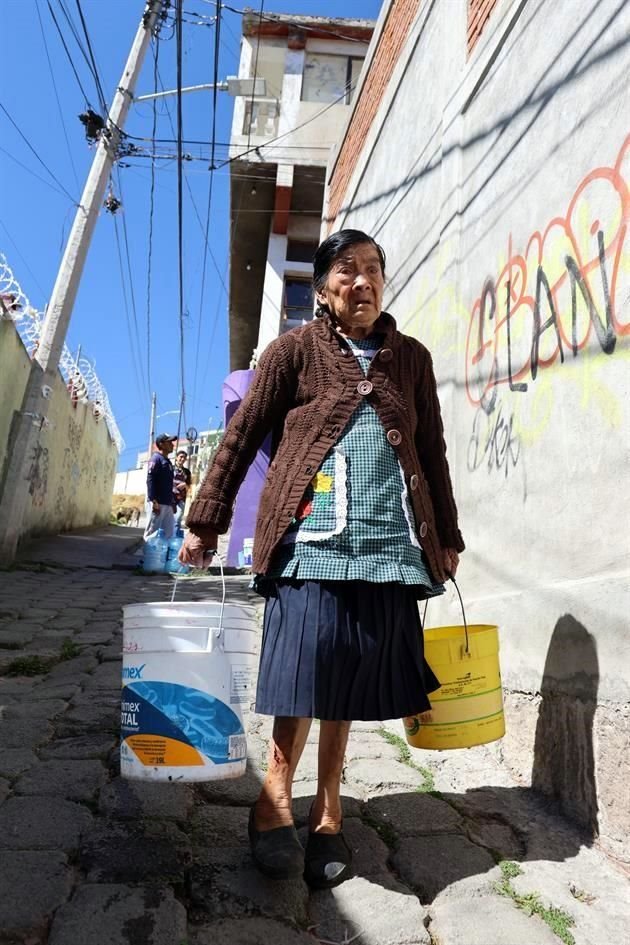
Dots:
(82, 381)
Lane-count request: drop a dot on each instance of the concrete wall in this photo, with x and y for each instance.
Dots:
(499, 187)
(71, 477)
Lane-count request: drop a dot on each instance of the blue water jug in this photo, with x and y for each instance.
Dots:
(155, 553)
(173, 566)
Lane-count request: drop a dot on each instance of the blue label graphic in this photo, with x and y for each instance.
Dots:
(180, 713)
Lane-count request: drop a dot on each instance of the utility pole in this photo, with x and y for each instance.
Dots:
(29, 423)
(152, 424)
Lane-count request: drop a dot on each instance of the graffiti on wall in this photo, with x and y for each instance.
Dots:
(38, 475)
(563, 297)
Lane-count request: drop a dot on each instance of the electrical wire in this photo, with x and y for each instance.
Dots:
(213, 135)
(33, 174)
(54, 85)
(68, 54)
(91, 67)
(132, 294)
(99, 87)
(180, 207)
(251, 102)
(31, 148)
(156, 49)
(134, 360)
(271, 18)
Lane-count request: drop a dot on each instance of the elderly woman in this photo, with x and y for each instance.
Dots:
(356, 522)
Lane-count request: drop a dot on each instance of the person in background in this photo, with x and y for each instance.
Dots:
(182, 480)
(160, 489)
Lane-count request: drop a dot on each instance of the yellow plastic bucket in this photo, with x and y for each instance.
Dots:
(467, 709)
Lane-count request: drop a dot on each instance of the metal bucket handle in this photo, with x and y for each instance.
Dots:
(213, 632)
(466, 650)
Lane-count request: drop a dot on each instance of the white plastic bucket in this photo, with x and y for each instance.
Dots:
(183, 690)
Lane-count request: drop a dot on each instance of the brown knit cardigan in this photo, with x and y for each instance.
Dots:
(306, 387)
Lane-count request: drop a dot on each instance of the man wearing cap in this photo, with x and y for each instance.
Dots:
(160, 489)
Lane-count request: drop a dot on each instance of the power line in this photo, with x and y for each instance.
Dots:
(32, 173)
(91, 67)
(180, 205)
(156, 50)
(68, 54)
(99, 86)
(217, 37)
(54, 85)
(270, 18)
(132, 352)
(251, 102)
(31, 148)
(26, 265)
(132, 294)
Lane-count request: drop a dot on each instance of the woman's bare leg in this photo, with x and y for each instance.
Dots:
(326, 813)
(273, 807)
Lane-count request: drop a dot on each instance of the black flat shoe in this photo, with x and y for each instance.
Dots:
(277, 853)
(327, 860)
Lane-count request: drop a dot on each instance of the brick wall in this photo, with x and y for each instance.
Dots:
(392, 39)
(479, 12)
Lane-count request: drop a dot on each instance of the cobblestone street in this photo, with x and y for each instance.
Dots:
(447, 849)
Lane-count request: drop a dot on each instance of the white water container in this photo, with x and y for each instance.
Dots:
(183, 690)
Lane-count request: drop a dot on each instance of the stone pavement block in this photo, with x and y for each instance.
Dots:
(430, 864)
(117, 915)
(32, 885)
(384, 777)
(79, 748)
(135, 853)
(56, 690)
(14, 761)
(145, 799)
(38, 614)
(74, 780)
(590, 889)
(42, 823)
(5, 790)
(92, 637)
(14, 637)
(489, 920)
(105, 676)
(35, 709)
(17, 686)
(497, 837)
(24, 733)
(67, 623)
(255, 931)
(226, 884)
(378, 910)
(239, 792)
(371, 746)
(214, 827)
(90, 719)
(414, 814)
(72, 669)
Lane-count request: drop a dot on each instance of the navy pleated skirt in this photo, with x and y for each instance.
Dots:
(342, 650)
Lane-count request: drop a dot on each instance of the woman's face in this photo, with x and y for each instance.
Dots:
(354, 288)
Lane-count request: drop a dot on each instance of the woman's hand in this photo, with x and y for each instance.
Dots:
(450, 560)
(198, 552)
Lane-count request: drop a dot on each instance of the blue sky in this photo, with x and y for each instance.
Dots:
(35, 219)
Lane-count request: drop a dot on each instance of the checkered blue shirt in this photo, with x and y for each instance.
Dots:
(355, 521)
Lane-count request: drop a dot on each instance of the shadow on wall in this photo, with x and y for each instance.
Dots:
(564, 764)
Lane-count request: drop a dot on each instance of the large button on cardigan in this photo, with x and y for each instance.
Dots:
(304, 392)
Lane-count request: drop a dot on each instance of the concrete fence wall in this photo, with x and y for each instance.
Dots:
(499, 185)
(71, 476)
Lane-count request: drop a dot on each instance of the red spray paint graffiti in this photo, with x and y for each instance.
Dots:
(548, 303)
